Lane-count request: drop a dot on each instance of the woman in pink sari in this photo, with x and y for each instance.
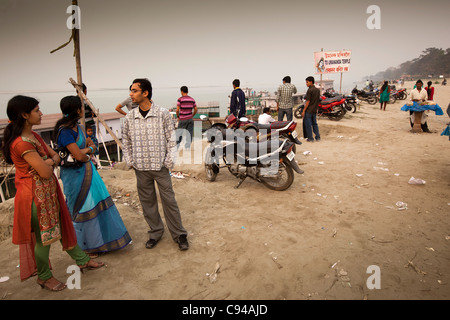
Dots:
(41, 216)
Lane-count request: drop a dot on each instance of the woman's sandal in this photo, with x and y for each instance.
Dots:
(91, 265)
(51, 284)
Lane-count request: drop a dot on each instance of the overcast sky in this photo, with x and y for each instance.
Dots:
(208, 42)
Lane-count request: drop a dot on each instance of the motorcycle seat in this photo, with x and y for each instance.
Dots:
(256, 149)
(263, 126)
(279, 124)
(331, 100)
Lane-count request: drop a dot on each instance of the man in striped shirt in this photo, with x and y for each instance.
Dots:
(186, 110)
(284, 99)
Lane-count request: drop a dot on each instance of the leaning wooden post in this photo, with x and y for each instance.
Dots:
(94, 110)
(77, 53)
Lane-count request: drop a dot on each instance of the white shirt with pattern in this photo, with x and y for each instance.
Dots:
(149, 143)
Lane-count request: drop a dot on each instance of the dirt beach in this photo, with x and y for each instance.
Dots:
(353, 208)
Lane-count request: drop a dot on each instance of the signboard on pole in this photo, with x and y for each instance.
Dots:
(332, 61)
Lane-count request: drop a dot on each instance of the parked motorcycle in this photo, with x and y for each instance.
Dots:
(392, 97)
(368, 96)
(352, 102)
(270, 162)
(402, 94)
(333, 108)
(350, 99)
(257, 132)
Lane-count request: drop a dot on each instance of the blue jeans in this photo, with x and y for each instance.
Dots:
(183, 126)
(287, 112)
(310, 126)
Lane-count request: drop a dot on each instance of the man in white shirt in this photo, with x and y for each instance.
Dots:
(265, 117)
(148, 137)
(419, 95)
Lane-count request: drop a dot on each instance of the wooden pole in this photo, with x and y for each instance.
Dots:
(83, 96)
(77, 53)
(340, 86)
(321, 84)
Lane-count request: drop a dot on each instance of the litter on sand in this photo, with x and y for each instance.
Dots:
(413, 180)
(401, 205)
(178, 175)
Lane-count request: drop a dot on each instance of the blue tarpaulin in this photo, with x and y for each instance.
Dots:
(417, 107)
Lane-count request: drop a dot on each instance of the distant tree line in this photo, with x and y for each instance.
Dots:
(432, 62)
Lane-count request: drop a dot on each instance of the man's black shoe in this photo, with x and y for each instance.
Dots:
(183, 244)
(151, 243)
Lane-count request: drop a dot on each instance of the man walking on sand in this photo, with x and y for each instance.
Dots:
(149, 146)
(284, 99)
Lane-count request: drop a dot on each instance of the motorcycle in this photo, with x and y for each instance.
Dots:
(392, 97)
(402, 94)
(333, 108)
(368, 96)
(270, 162)
(351, 102)
(259, 132)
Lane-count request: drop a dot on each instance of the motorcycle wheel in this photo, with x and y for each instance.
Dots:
(211, 172)
(338, 115)
(372, 100)
(392, 99)
(351, 107)
(282, 180)
(298, 112)
(347, 106)
(251, 135)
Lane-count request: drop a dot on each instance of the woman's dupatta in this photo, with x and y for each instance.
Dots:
(28, 266)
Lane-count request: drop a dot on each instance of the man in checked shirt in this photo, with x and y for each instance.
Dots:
(149, 146)
(284, 99)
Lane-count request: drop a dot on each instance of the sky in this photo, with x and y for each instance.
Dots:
(209, 42)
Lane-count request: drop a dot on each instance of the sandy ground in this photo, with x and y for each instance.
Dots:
(315, 240)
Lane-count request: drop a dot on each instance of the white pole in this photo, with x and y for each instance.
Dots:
(104, 146)
(118, 148)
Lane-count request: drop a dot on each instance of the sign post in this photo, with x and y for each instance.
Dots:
(332, 62)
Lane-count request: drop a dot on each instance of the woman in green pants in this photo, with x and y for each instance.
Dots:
(41, 216)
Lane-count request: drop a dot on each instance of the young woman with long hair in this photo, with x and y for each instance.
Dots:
(41, 216)
(97, 221)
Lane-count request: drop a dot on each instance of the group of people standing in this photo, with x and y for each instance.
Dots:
(418, 94)
(285, 106)
(83, 216)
